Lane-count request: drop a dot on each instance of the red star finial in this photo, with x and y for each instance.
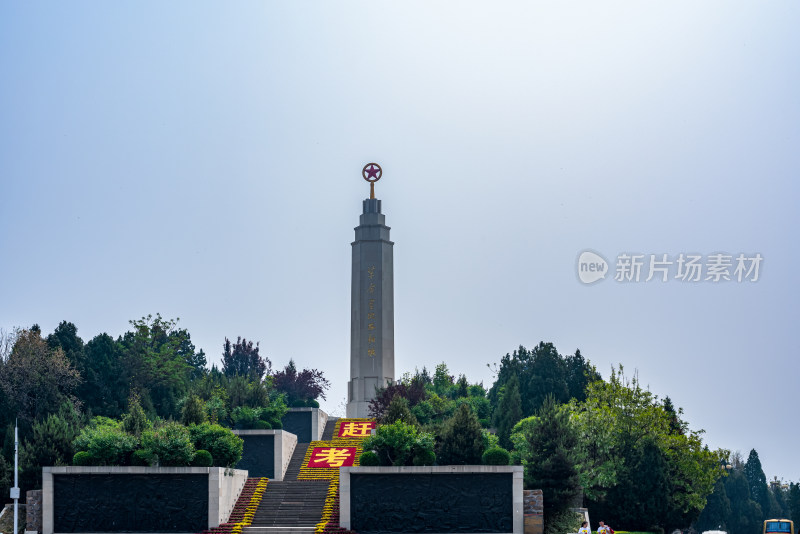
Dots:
(372, 172)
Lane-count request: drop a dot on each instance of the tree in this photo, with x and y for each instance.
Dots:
(412, 390)
(442, 380)
(135, 422)
(194, 411)
(398, 411)
(242, 359)
(794, 502)
(50, 443)
(104, 390)
(462, 439)
(36, 379)
(155, 364)
(300, 386)
(401, 444)
(66, 337)
(508, 412)
(542, 372)
(745, 512)
(614, 422)
(580, 373)
(550, 463)
(717, 512)
(757, 482)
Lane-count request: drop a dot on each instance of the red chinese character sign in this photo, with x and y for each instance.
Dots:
(356, 429)
(330, 457)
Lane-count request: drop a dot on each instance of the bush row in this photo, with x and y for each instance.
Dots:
(105, 442)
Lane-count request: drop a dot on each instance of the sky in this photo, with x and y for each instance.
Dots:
(202, 160)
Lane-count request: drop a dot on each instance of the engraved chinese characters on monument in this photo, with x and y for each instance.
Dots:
(371, 303)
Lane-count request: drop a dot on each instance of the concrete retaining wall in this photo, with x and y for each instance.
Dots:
(283, 445)
(312, 426)
(450, 476)
(223, 488)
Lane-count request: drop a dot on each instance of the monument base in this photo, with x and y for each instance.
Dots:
(357, 409)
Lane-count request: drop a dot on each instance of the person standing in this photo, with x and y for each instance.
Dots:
(584, 528)
(602, 528)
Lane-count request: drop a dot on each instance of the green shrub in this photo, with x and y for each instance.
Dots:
(368, 458)
(566, 521)
(194, 411)
(170, 444)
(225, 447)
(202, 458)
(82, 458)
(312, 403)
(424, 457)
(298, 403)
(262, 425)
(496, 456)
(398, 443)
(398, 410)
(245, 417)
(462, 439)
(215, 409)
(141, 457)
(276, 424)
(135, 421)
(106, 443)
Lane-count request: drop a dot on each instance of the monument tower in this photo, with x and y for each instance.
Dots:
(371, 304)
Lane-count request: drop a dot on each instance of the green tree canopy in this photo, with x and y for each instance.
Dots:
(550, 460)
(757, 482)
(156, 364)
(37, 379)
(462, 439)
(543, 372)
(619, 422)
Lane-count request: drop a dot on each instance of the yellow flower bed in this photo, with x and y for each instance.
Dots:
(250, 511)
(329, 510)
(327, 473)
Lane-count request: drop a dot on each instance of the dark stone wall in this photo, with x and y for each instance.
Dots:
(446, 502)
(33, 500)
(130, 503)
(533, 511)
(299, 424)
(258, 456)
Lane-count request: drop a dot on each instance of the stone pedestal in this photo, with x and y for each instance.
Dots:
(33, 500)
(533, 511)
(371, 310)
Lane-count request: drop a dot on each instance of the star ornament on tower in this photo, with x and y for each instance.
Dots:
(372, 172)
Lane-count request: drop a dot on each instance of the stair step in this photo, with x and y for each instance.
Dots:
(292, 506)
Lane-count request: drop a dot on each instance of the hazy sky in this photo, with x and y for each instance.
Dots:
(202, 160)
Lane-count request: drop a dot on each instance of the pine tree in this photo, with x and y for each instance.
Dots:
(398, 410)
(194, 411)
(717, 512)
(509, 412)
(757, 482)
(794, 503)
(550, 464)
(462, 439)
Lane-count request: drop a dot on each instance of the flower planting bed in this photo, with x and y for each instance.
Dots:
(323, 460)
(245, 508)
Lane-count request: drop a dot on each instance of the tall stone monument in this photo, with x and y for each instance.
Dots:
(371, 305)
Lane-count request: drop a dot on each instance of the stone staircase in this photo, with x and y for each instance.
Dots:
(292, 506)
